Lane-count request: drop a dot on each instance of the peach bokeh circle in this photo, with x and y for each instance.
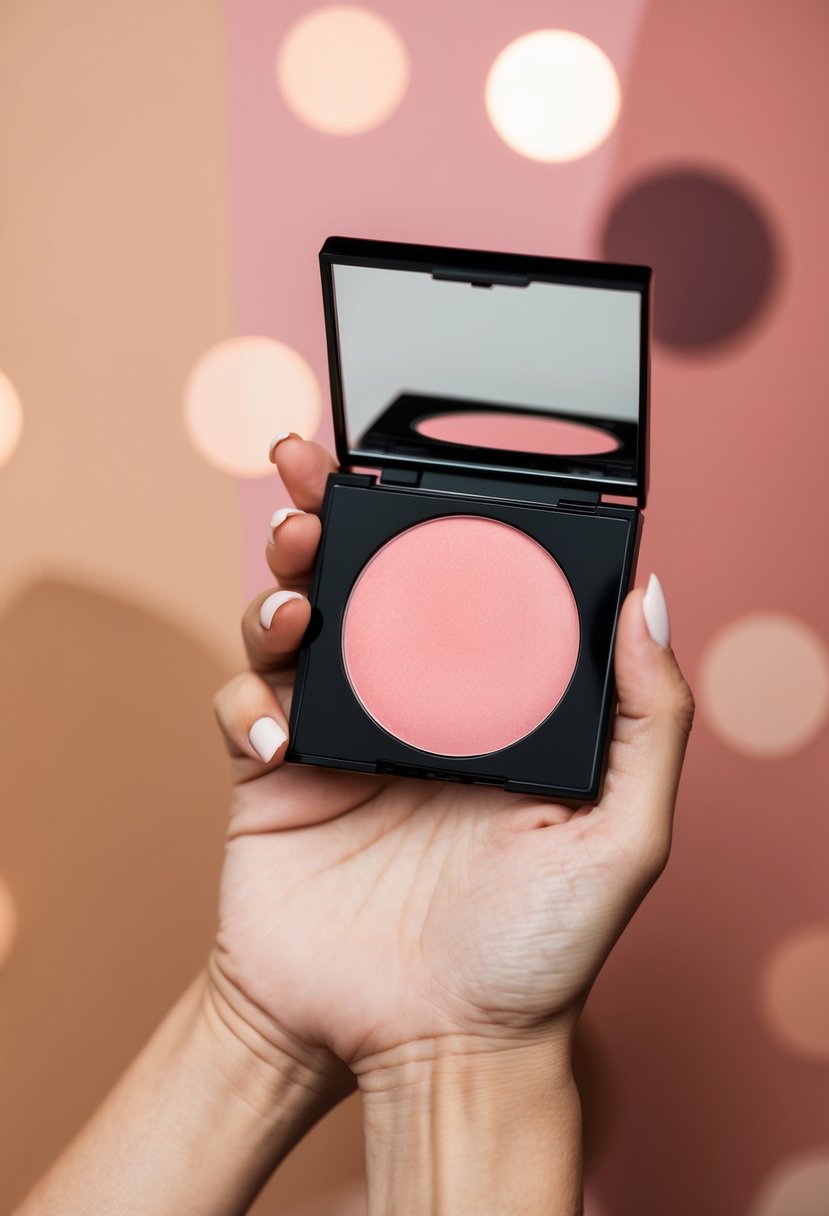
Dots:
(763, 684)
(799, 1186)
(11, 419)
(8, 922)
(342, 70)
(240, 394)
(591, 1204)
(553, 95)
(794, 993)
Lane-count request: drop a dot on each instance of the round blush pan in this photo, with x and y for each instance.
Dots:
(518, 433)
(460, 635)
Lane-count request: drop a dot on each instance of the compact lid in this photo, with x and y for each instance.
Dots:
(445, 358)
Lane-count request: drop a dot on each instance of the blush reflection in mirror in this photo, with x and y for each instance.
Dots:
(518, 433)
(460, 635)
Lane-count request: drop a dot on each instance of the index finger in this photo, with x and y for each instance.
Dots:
(304, 467)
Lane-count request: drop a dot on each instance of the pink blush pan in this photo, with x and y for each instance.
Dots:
(518, 433)
(460, 635)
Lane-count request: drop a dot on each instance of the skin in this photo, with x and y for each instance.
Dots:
(432, 943)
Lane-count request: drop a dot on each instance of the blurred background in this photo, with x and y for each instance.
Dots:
(169, 174)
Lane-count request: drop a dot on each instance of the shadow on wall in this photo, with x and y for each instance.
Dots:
(114, 796)
(114, 800)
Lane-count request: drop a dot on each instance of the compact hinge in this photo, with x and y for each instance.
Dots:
(400, 477)
(586, 506)
(482, 486)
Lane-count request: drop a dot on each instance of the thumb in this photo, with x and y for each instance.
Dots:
(651, 729)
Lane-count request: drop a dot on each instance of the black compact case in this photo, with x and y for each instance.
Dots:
(414, 330)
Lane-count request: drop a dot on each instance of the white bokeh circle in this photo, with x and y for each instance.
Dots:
(11, 419)
(240, 394)
(553, 95)
(763, 684)
(8, 922)
(342, 69)
(794, 992)
(798, 1186)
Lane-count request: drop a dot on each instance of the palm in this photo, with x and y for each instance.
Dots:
(420, 907)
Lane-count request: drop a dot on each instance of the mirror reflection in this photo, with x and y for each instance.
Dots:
(548, 369)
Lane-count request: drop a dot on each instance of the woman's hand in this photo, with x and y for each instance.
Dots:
(379, 921)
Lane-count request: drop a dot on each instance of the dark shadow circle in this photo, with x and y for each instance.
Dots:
(711, 246)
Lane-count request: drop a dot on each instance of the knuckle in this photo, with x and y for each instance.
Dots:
(661, 852)
(224, 696)
(682, 706)
(642, 855)
(250, 614)
(655, 855)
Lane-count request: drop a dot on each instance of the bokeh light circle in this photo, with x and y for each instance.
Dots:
(11, 419)
(711, 244)
(592, 1207)
(553, 95)
(798, 1186)
(240, 394)
(342, 70)
(8, 922)
(763, 684)
(794, 993)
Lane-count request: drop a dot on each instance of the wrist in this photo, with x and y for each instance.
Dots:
(197, 1123)
(457, 1125)
(290, 1084)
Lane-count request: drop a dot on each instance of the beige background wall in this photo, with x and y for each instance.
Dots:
(120, 568)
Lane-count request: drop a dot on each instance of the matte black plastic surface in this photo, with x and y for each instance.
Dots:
(595, 545)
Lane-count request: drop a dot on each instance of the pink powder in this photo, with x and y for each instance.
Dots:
(460, 635)
(519, 433)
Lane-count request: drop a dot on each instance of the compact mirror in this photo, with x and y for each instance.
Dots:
(503, 364)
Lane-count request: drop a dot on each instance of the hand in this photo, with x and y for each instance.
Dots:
(436, 940)
(374, 920)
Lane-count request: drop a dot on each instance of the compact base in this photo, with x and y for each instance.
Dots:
(595, 545)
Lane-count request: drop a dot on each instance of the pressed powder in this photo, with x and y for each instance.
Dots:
(461, 635)
(518, 432)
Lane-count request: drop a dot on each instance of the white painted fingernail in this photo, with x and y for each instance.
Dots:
(275, 442)
(655, 611)
(266, 738)
(273, 603)
(278, 518)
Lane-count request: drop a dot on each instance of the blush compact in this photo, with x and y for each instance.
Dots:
(471, 569)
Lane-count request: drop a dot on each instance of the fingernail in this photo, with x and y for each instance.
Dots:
(655, 611)
(266, 738)
(278, 518)
(270, 606)
(275, 442)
